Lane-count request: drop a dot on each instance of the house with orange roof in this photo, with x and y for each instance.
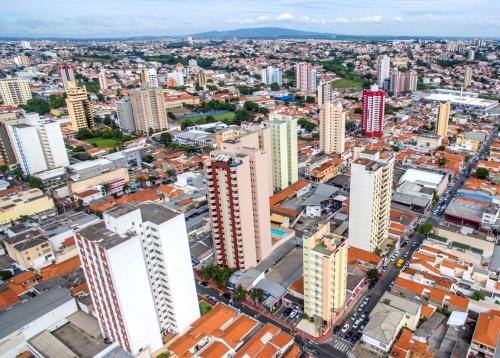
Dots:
(8, 297)
(268, 342)
(60, 269)
(356, 256)
(486, 336)
(406, 347)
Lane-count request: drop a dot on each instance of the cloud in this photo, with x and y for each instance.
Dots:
(397, 18)
(369, 19)
(286, 17)
(341, 20)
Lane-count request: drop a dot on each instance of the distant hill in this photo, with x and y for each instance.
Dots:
(264, 33)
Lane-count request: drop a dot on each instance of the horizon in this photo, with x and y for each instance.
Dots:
(167, 18)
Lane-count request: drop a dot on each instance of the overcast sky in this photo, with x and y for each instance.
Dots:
(103, 18)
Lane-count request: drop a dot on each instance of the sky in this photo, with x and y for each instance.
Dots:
(116, 18)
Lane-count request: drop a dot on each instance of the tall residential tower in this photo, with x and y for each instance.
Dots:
(332, 128)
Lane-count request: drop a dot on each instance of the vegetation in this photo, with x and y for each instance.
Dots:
(37, 105)
(349, 77)
(307, 125)
(239, 294)
(204, 307)
(348, 83)
(220, 275)
(34, 182)
(482, 173)
(104, 142)
(148, 159)
(372, 276)
(478, 295)
(425, 228)
(107, 138)
(56, 101)
(257, 295)
(227, 117)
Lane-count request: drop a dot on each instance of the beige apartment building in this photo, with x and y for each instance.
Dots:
(15, 91)
(80, 109)
(370, 199)
(325, 273)
(149, 110)
(332, 128)
(238, 200)
(443, 118)
(30, 250)
(16, 203)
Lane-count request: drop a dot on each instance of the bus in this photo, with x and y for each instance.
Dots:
(400, 262)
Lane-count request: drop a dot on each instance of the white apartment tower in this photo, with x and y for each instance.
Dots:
(332, 128)
(137, 265)
(326, 93)
(149, 77)
(38, 144)
(272, 75)
(370, 199)
(125, 114)
(103, 82)
(15, 91)
(284, 155)
(383, 66)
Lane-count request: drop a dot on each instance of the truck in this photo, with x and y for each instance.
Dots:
(400, 262)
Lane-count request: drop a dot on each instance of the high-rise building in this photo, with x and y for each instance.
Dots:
(25, 45)
(468, 76)
(397, 82)
(238, 199)
(284, 149)
(305, 76)
(272, 75)
(325, 273)
(15, 91)
(383, 65)
(443, 119)
(332, 128)
(67, 76)
(193, 63)
(411, 81)
(103, 82)
(80, 109)
(326, 92)
(137, 265)
(148, 109)
(149, 77)
(38, 144)
(125, 114)
(7, 154)
(201, 78)
(471, 55)
(372, 118)
(370, 200)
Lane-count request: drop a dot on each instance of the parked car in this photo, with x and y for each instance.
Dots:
(293, 314)
(336, 330)
(287, 311)
(345, 328)
(348, 335)
(212, 299)
(204, 283)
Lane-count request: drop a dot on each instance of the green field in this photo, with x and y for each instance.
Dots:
(103, 143)
(345, 83)
(219, 117)
(204, 307)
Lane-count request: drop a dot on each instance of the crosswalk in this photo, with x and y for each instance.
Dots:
(340, 344)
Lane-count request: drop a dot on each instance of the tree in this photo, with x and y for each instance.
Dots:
(35, 182)
(425, 228)
(358, 110)
(4, 169)
(171, 115)
(56, 101)
(257, 295)
(482, 173)
(251, 106)
(148, 159)
(239, 294)
(37, 105)
(275, 87)
(307, 125)
(442, 161)
(372, 276)
(478, 295)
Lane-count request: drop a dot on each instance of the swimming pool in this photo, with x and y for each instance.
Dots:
(278, 232)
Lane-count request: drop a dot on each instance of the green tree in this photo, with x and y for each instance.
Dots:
(307, 125)
(56, 101)
(257, 295)
(275, 87)
(372, 276)
(239, 294)
(251, 106)
(358, 110)
(425, 228)
(34, 182)
(478, 295)
(148, 159)
(482, 173)
(442, 161)
(37, 105)
(171, 115)
(4, 169)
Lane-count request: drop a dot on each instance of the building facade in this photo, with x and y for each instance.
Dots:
(148, 109)
(383, 65)
(332, 128)
(125, 114)
(149, 77)
(67, 76)
(137, 265)
(370, 199)
(15, 91)
(443, 118)
(372, 118)
(325, 273)
(270, 75)
(326, 92)
(305, 76)
(80, 109)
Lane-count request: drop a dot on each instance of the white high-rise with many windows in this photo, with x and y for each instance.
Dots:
(370, 199)
(383, 66)
(149, 77)
(270, 75)
(326, 92)
(138, 268)
(15, 91)
(332, 128)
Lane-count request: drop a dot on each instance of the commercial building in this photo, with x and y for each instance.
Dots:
(38, 144)
(149, 77)
(325, 272)
(80, 109)
(148, 287)
(383, 65)
(284, 153)
(370, 199)
(462, 100)
(16, 203)
(270, 75)
(67, 76)
(372, 118)
(148, 109)
(305, 75)
(15, 91)
(332, 128)
(87, 174)
(326, 92)
(443, 118)
(238, 199)
(125, 114)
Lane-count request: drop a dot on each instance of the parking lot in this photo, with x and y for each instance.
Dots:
(290, 314)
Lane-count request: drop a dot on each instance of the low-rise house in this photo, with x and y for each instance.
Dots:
(486, 336)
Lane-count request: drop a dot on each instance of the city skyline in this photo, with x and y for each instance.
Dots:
(361, 17)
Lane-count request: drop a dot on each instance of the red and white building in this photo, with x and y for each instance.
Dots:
(372, 119)
(137, 265)
(305, 75)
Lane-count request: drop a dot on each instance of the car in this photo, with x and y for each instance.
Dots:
(363, 316)
(204, 283)
(362, 326)
(293, 314)
(287, 311)
(360, 309)
(392, 259)
(355, 325)
(212, 299)
(348, 335)
(226, 295)
(396, 253)
(406, 254)
(345, 328)
(336, 330)
(354, 316)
